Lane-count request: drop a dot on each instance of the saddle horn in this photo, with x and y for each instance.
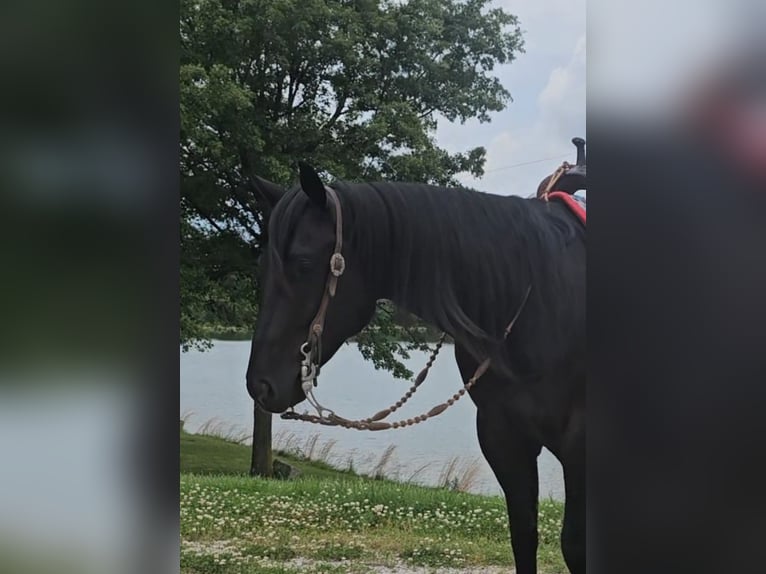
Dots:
(580, 145)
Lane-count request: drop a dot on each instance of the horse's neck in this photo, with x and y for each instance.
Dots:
(439, 270)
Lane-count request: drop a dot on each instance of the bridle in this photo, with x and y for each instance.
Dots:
(311, 351)
(312, 348)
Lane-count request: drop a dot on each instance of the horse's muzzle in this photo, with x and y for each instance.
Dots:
(261, 391)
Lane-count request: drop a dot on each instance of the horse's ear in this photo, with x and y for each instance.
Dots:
(312, 185)
(269, 191)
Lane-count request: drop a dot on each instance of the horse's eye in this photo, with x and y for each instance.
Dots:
(300, 266)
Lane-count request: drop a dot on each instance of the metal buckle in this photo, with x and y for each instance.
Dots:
(337, 264)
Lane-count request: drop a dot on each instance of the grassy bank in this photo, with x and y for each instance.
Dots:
(211, 455)
(330, 521)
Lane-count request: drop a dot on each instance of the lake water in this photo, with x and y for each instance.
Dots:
(213, 387)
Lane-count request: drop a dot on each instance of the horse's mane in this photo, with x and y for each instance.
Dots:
(463, 260)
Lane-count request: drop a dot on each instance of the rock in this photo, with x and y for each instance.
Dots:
(284, 471)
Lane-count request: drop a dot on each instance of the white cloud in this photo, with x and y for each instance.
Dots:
(562, 102)
(563, 98)
(548, 87)
(559, 116)
(506, 143)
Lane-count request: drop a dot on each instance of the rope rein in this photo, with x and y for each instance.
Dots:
(376, 422)
(560, 171)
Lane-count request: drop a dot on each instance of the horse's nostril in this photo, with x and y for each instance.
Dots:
(265, 391)
(260, 390)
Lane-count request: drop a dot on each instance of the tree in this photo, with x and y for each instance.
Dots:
(352, 86)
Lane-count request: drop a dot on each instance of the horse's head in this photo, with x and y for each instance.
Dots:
(296, 281)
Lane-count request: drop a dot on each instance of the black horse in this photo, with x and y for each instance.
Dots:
(465, 262)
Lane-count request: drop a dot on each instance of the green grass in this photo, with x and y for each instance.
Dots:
(202, 454)
(211, 455)
(331, 521)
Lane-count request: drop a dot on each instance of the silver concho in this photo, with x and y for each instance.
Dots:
(337, 264)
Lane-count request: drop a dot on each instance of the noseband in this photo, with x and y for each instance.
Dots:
(312, 354)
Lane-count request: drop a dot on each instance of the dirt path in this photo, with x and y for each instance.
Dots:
(399, 567)
(226, 548)
(409, 569)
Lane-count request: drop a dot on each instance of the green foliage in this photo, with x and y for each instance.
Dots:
(354, 87)
(217, 284)
(382, 341)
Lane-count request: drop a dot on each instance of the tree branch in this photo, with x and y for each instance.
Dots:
(204, 215)
(339, 111)
(292, 91)
(427, 113)
(415, 340)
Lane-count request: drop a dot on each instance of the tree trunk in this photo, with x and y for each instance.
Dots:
(261, 463)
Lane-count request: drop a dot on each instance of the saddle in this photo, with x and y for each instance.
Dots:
(567, 178)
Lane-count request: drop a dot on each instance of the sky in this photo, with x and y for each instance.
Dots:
(547, 84)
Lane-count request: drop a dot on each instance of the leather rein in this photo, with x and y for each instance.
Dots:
(311, 351)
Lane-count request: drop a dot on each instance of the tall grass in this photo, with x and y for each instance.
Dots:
(185, 416)
(459, 475)
(312, 448)
(311, 444)
(285, 441)
(412, 478)
(379, 470)
(217, 428)
(324, 452)
(456, 474)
